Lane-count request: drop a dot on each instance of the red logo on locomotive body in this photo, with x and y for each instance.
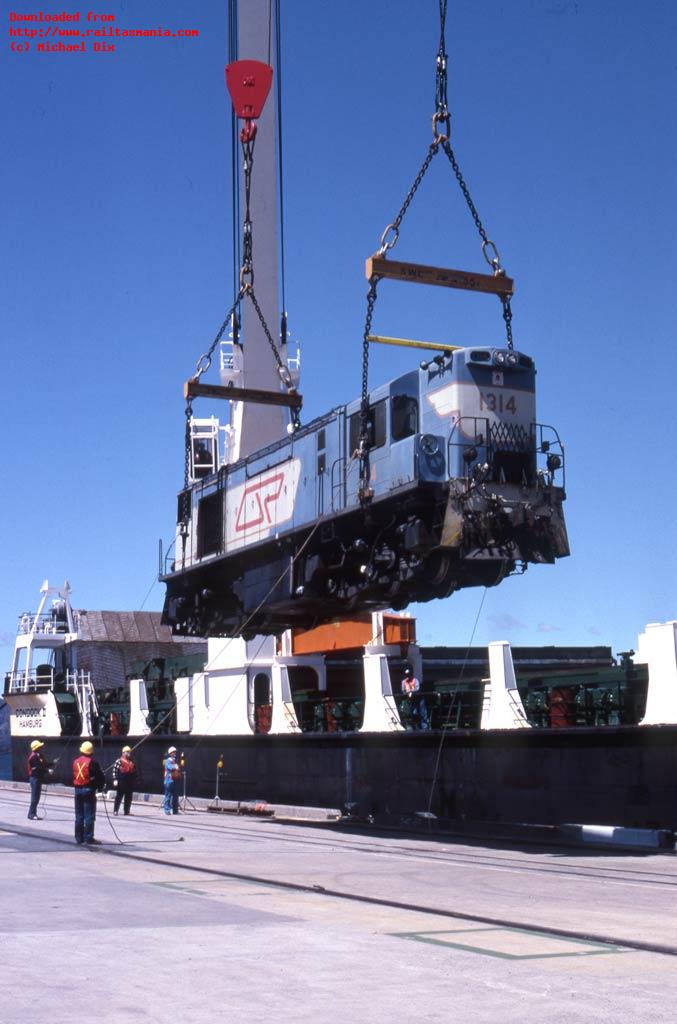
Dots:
(263, 494)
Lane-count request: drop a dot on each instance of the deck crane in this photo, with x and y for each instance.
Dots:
(438, 480)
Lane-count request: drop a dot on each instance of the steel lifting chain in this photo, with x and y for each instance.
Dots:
(247, 268)
(389, 243)
(189, 416)
(246, 289)
(442, 116)
(362, 453)
(441, 125)
(184, 516)
(489, 250)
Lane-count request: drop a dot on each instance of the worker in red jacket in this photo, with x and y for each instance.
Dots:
(87, 779)
(37, 775)
(124, 780)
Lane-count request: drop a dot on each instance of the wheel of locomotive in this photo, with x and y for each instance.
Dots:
(439, 575)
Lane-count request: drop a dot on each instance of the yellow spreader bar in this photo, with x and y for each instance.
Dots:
(408, 343)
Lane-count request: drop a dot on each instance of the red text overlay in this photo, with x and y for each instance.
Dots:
(80, 32)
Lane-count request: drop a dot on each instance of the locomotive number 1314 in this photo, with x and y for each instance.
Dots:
(500, 403)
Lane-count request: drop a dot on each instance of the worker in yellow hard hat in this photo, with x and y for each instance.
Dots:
(37, 775)
(124, 780)
(87, 778)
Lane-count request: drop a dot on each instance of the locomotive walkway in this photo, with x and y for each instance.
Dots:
(204, 916)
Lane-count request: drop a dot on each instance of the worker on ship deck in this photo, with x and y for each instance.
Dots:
(414, 705)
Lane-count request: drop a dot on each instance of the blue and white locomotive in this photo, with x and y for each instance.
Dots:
(465, 488)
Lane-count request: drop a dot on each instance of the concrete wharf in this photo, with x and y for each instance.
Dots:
(213, 916)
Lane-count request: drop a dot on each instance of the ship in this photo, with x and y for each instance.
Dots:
(318, 717)
(276, 666)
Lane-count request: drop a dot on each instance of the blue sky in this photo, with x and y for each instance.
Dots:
(116, 272)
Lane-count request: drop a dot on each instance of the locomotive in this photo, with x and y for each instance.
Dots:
(464, 489)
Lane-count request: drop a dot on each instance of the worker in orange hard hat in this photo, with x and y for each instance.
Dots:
(87, 779)
(124, 780)
(37, 775)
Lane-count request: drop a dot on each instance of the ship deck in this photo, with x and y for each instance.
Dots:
(204, 915)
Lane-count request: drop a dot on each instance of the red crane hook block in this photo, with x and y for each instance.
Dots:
(248, 83)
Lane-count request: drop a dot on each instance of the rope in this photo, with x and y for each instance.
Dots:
(451, 705)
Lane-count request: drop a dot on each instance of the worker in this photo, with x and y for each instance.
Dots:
(202, 460)
(416, 708)
(124, 781)
(37, 775)
(87, 779)
(172, 781)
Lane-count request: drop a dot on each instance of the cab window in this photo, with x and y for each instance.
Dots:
(403, 416)
(376, 427)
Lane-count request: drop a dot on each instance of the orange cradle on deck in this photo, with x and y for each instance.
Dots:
(347, 634)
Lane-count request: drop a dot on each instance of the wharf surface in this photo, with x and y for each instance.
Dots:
(204, 916)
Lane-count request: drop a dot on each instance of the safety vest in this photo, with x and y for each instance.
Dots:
(36, 765)
(81, 771)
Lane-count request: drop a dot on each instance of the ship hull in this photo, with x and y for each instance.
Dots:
(537, 776)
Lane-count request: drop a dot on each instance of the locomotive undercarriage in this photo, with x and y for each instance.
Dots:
(418, 546)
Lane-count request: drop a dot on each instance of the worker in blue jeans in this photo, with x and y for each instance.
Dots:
(37, 776)
(414, 707)
(88, 777)
(172, 781)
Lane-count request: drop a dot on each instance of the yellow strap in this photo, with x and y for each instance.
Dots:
(408, 343)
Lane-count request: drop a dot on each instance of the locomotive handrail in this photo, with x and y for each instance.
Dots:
(549, 447)
(339, 465)
(478, 438)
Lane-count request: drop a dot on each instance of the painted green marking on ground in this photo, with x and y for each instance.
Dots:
(197, 888)
(437, 938)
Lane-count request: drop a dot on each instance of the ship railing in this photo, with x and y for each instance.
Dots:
(329, 714)
(78, 678)
(46, 624)
(451, 706)
(571, 705)
(24, 681)
(166, 559)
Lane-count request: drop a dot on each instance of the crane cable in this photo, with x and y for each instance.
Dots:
(278, 72)
(441, 127)
(234, 163)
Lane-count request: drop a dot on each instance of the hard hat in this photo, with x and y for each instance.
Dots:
(407, 671)
(126, 750)
(36, 744)
(172, 750)
(87, 747)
